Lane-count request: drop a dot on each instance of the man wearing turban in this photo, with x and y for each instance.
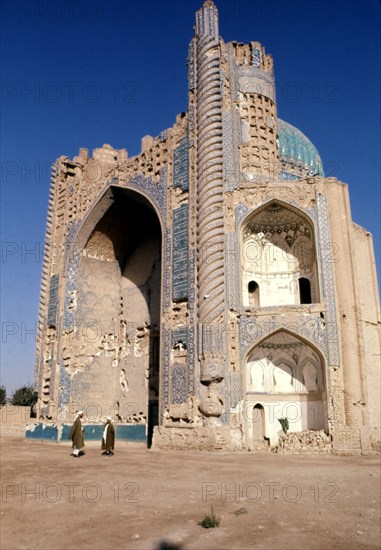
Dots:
(108, 438)
(76, 435)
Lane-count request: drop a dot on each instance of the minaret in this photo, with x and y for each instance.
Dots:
(210, 219)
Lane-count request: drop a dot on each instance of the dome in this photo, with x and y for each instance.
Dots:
(299, 157)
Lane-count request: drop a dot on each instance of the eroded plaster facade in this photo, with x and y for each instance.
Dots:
(214, 283)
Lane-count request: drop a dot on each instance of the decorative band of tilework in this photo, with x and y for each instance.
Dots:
(164, 371)
(190, 63)
(235, 389)
(191, 344)
(232, 267)
(253, 80)
(207, 22)
(252, 331)
(180, 253)
(181, 165)
(180, 337)
(64, 388)
(256, 58)
(179, 384)
(166, 269)
(53, 301)
(328, 285)
(71, 286)
(240, 212)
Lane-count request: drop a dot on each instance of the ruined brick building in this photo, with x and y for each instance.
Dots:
(213, 284)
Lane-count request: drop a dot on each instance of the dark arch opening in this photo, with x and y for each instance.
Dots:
(259, 438)
(305, 291)
(253, 291)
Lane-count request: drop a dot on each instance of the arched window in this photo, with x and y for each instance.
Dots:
(305, 291)
(253, 291)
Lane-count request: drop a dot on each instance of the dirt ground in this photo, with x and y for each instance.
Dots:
(150, 500)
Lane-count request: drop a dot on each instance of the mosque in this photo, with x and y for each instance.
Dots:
(213, 289)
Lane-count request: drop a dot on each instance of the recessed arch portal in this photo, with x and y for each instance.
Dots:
(285, 374)
(117, 309)
(277, 251)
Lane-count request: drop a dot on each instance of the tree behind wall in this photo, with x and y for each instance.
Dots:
(3, 396)
(24, 396)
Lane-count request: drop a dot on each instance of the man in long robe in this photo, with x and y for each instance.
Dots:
(108, 438)
(76, 435)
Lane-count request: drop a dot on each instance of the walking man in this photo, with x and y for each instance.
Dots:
(108, 439)
(76, 435)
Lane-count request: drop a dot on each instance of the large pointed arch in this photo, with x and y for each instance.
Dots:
(278, 247)
(281, 358)
(112, 308)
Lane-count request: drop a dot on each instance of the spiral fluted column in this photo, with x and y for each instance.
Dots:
(210, 220)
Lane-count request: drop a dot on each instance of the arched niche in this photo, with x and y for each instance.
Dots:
(286, 375)
(278, 250)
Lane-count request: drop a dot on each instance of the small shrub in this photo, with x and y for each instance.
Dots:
(210, 521)
(284, 423)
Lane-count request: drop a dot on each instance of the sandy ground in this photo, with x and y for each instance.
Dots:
(142, 499)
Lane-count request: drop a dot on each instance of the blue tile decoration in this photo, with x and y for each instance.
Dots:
(181, 165)
(191, 345)
(92, 432)
(71, 285)
(180, 335)
(164, 373)
(52, 372)
(252, 330)
(256, 58)
(72, 230)
(240, 212)
(296, 149)
(236, 393)
(232, 252)
(190, 63)
(53, 301)
(123, 432)
(287, 176)
(42, 431)
(64, 387)
(129, 432)
(325, 267)
(179, 384)
(166, 267)
(180, 253)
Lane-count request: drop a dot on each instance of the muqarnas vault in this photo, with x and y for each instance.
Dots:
(215, 283)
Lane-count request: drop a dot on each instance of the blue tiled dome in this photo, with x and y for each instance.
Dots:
(297, 151)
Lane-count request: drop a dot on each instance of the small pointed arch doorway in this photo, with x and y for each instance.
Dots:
(258, 423)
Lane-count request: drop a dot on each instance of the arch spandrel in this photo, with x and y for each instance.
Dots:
(253, 334)
(244, 212)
